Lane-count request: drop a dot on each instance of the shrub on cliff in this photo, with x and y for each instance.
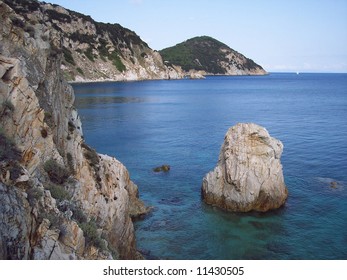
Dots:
(79, 70)
(58, 192)
(91, 235)
(57, 173)
(30, 29)
(6, 108)
(89, 54)
(90, 154)
(78, 215)
(82, 38)
(18, 22)
(54, 15)
(8, 149)
(68, 56)
(34, 194)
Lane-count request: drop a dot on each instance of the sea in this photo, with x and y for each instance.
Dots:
(182, 123)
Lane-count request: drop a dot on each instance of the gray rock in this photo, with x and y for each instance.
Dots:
(15, 224)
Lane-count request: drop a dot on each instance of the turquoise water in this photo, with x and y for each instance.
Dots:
(182, 123)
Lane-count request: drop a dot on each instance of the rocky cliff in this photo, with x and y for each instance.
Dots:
(208, 56)
(92, 51)
(249, 174)
(59, 199)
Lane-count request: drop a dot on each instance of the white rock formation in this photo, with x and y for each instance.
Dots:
(248, 175)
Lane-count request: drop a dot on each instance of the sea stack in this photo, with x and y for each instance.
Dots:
(249, 174)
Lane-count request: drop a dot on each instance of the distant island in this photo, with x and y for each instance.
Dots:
(210, 57)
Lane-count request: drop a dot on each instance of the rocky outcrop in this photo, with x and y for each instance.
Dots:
(248, 175)
(92, 51)
(163, 168)
(59, 198)
(193, 74)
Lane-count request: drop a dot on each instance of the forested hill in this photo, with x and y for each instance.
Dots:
(210, 56)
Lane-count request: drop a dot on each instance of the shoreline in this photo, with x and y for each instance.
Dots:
(185, 77)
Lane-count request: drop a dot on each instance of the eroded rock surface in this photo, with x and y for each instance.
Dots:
(249, 174)
(59, 198)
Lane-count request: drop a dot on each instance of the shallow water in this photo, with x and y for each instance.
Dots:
(182, 123)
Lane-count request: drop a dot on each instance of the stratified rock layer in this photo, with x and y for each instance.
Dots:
(249, 174)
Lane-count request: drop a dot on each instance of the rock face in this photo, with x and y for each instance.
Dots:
(248, 175)
(93, 51)
(59, 198)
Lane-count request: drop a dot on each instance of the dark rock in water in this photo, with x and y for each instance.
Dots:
(277, 248)
(158, 225)
(257, 225)
(163, 168)
(147, 254)
(333, 184)
(261, 235)
(254, 255)
(171, 201)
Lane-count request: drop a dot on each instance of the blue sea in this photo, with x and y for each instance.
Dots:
(183, 122)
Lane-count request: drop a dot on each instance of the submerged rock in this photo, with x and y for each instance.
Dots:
(163, 168)
(249, 174)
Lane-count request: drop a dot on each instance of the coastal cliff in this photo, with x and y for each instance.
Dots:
(59, 198)
(207, 56)
(249, 174)
(93, 51)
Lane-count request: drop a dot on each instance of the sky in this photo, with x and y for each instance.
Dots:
(280, 35)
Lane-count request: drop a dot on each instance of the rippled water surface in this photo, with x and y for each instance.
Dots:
(182, 123)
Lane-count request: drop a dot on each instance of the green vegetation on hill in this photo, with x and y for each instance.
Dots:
(203, 53)
(199, 53)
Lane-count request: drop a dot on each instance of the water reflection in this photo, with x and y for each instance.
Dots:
(100, 88)
(85, 102)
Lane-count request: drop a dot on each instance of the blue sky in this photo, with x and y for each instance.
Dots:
(280, 35)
